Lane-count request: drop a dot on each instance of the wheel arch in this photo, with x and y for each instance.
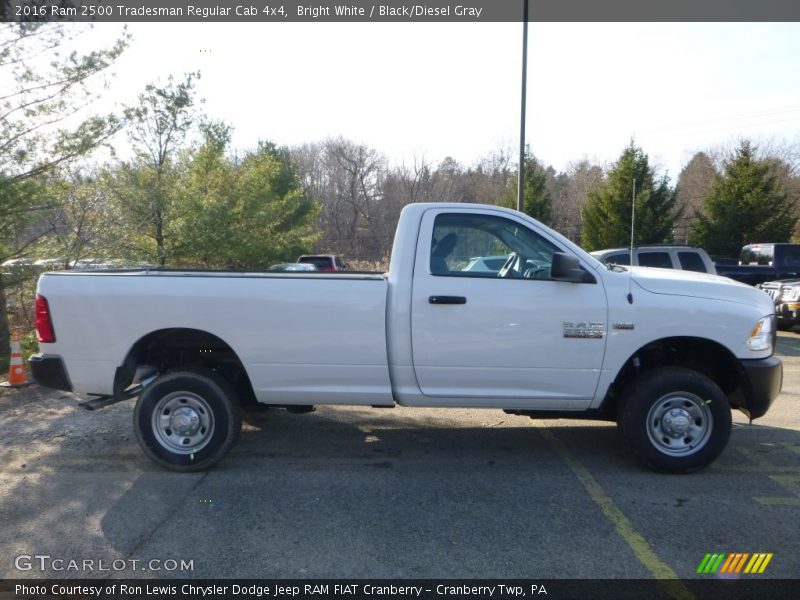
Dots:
(703, 355)
(180, 348)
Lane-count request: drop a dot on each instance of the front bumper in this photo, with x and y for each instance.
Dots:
(49, 371)
(763, 378)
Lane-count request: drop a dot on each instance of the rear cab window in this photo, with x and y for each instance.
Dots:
(618, 259)
(691, 261)
(317, 261)
(655, 259)
(757, 255)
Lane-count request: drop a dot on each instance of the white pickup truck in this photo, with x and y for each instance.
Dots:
(554, 333)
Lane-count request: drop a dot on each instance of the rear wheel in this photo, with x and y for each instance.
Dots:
(677, 420)
(187, 420)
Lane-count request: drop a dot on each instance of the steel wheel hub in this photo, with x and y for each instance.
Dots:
(679, 423)
(183, 422)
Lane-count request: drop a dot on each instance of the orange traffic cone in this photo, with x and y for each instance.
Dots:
(16, 372)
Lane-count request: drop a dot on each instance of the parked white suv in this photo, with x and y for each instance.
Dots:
(687, 258)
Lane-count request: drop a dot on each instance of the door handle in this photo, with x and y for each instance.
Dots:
(447, 300)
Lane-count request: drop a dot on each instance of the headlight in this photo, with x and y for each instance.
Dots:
(761, 336)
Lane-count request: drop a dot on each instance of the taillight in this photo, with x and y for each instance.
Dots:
(44, 325)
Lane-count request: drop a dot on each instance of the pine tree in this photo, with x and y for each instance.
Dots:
(244, 213)
(536, 199)
(746, 204)
(607, 212)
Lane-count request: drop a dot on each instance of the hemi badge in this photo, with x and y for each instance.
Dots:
(624, 325)
(584, 330)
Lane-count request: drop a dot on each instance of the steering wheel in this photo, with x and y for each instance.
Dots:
(507, 270)
(537, 272)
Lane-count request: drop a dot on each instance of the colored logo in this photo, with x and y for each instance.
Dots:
(739, 562)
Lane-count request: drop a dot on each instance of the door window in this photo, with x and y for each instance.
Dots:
(465, 245)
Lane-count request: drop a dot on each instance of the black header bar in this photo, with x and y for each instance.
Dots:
(399, 589)
(432, 11)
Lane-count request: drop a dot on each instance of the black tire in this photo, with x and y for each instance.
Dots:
(677, 420)
(187, 420)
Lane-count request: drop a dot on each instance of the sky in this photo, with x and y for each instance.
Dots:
(434, 90)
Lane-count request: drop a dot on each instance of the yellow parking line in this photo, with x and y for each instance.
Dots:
(789, 483)
(641, 549)
(791, 446)
(776, 501)
(757, 461)
(758, 469)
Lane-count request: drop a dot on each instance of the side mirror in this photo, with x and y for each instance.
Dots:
(567, 267)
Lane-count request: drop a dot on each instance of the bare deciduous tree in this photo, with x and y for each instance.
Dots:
(347, 180)
(569, 192)
(694, 183)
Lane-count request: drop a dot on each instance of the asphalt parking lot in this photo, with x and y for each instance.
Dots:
(349, 492)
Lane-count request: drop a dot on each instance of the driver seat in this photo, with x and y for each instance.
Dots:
(441, 250)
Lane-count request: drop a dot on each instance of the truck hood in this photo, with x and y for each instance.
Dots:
(674, 282)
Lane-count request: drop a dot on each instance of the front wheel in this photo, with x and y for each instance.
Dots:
(677, 420)
(187, 420)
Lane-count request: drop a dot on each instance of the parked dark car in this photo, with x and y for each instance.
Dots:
(324, 262)
(759, 263)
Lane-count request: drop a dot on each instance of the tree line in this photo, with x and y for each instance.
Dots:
(186, 198)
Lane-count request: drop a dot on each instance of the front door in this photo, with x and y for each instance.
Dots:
(489, 325)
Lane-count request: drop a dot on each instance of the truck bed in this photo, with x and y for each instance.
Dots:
(304, 338)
